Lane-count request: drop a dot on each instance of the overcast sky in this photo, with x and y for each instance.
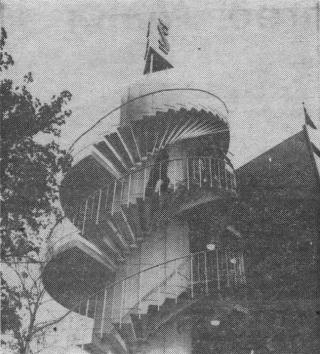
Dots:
(261, 60)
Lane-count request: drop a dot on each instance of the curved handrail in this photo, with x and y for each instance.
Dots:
(166, 263)
(198, 274)
(137, 98)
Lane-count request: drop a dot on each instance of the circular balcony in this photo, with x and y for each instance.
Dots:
(185, 183)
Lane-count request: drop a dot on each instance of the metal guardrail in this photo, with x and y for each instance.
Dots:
(197, 274)
(169, 175)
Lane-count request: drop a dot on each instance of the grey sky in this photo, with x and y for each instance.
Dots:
(262, 60)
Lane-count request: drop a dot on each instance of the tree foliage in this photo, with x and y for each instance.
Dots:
(32, 163)
(29, 169)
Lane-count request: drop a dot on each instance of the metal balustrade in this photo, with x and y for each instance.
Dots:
(195, 275)
(159, 178)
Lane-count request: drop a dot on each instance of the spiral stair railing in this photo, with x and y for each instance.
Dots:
(120, 307)
(155, 104)
(115, 203)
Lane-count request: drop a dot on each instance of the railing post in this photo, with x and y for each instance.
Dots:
(103, 311)
(87, 307)
(107, 197)
(95, 307)
(200, 171)
(206, 272)
(175, 281)
(160, 177)
(226, 174)
(194, 169)
(84, 216)
(121, 303)
(218, 272)
(198, 267)
(175, 176)
(99, 206)
(227, 268)
(191, 275)
(210, 171)
(129, 186)
(139, 295)
(121, 192)
(114, 196)
(234, 182)
(112, 304)
(159, 288)
(144, 182)
(92, 207)
(188, 178)
(243, 270)
(235, 270)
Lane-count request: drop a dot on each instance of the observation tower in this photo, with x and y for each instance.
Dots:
(148, 248)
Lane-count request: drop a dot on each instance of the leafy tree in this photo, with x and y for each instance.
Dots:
(30, 175)
(29, 169)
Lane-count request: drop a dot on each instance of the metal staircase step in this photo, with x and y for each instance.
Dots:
(107, 227)
(127, 330)
(127, 136)
(122, 225)
(118, 146)
(131, 213)
(165, 314)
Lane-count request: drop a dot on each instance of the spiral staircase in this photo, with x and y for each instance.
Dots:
(127, 311)
(120, 192)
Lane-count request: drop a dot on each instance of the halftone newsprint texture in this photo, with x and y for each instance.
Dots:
(188, 219)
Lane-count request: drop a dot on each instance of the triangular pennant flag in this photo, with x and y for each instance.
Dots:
(308, 120)
(315, 149)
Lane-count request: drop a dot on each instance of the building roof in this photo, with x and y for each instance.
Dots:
(289, 169)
